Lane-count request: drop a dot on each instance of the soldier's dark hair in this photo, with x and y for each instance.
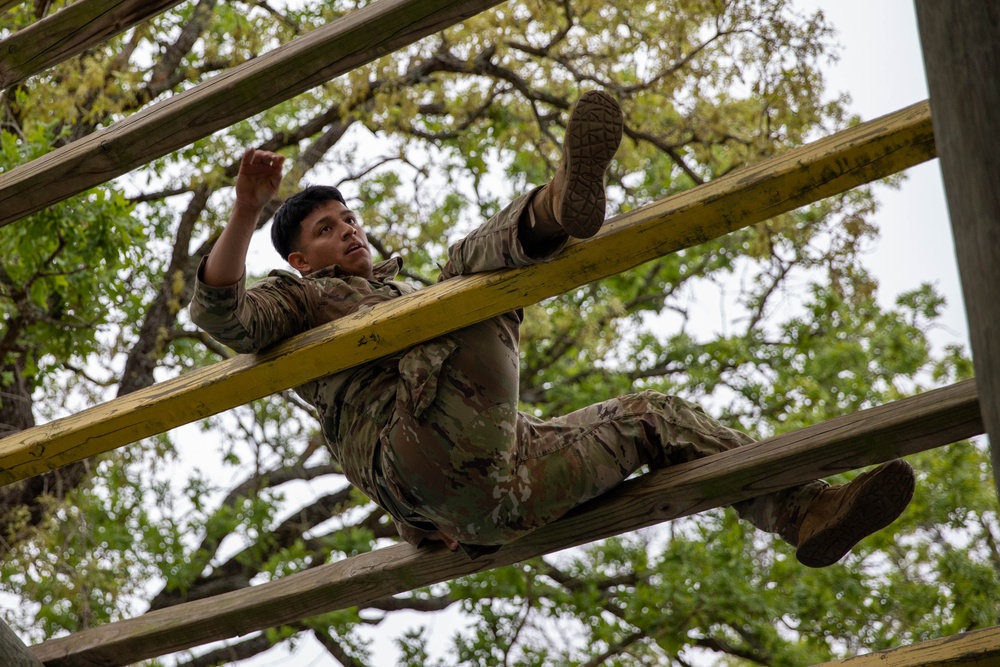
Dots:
(288, 219)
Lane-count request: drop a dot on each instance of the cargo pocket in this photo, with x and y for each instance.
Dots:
(419, 371)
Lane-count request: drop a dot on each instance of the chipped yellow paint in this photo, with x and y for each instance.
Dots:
(780, 184)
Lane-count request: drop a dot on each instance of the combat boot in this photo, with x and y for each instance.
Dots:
(840, 516)
(573, 201)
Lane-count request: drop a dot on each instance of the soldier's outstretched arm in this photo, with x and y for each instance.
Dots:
(256, 184)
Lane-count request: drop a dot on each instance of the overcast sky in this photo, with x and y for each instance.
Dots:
(882, 69)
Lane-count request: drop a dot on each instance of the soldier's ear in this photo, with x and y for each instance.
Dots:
(298, 262)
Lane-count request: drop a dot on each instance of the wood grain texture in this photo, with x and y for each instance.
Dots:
(961, 44)
(979, 648)
(747, 196)
(236, 94)
(914, 424)
(13, 652)
(69, 32)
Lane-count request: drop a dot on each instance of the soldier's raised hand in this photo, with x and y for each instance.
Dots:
(259, 177)
(256, 184)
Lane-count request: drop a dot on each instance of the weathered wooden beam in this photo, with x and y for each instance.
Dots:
(914, 424)
(13, 652)
(961, 45)
(69, 32)
(254, 86)
(978, 647)
(7, 4)
(837, 163)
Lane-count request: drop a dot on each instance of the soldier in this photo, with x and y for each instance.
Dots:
(432, 434)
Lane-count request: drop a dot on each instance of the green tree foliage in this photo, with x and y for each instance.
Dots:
(426, 142)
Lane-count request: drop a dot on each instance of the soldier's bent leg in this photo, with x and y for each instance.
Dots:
(592, 450)
(445, 444)
(486, 475)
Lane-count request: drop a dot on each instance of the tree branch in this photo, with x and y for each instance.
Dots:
(232, 653)
(335, 649)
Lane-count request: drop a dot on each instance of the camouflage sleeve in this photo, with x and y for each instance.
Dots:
(249, 320)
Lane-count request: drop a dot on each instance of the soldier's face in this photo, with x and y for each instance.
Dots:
(332, 235)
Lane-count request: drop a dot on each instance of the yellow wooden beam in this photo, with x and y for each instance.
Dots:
(69, 32)
(904, 427)
(979, 648)
(800, 176)
(254, 86)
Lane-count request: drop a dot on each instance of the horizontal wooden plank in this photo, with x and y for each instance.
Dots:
(978, 647)
(69, 32)
(747, 196)
(238, 93)
(7, 4)
(904, 427)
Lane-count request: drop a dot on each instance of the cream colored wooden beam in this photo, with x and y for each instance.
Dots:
(979, 648)
(936, 418)
(257, 85)
(856, 156)
(69, 32)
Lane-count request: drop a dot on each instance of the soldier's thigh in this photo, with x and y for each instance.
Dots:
(467, 432)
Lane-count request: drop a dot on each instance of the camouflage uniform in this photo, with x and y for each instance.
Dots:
(433, 434)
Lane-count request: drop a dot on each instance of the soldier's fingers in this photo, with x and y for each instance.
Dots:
(449, 542)
(247, 158)
(269, 159)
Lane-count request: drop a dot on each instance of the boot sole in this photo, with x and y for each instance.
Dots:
(882, 499)
(593, 135)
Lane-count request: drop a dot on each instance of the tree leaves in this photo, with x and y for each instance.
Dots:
(60, 281)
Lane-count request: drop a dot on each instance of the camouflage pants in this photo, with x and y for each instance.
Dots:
(456, 452)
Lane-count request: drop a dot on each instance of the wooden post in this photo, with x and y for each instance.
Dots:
(961, 46)
(13, 652)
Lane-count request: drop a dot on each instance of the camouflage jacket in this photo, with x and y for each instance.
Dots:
(285, 304)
